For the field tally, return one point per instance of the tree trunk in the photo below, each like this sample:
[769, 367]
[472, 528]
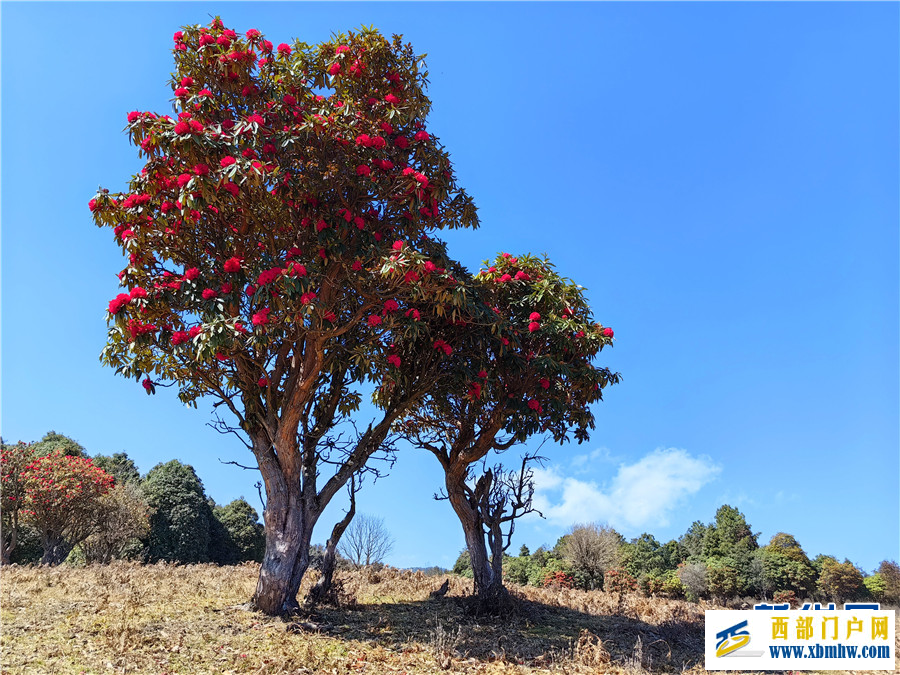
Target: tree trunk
[8, 540]
[320, 591]
[492, 595]
[56, 549]
[276, 588]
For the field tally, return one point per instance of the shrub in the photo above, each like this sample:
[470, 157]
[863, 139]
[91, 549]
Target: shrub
[619, 581]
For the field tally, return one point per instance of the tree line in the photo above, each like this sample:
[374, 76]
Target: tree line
[58, 503]
[720, 561]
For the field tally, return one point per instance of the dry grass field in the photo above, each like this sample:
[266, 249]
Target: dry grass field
[127, 618]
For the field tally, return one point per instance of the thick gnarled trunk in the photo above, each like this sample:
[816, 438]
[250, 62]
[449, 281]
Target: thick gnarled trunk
[487, 567]
[56, 548]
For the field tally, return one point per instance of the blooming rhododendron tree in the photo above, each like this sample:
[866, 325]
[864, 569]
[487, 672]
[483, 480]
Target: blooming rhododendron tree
[13, 460]
[63, 500]
[528, 370]
[279, 238]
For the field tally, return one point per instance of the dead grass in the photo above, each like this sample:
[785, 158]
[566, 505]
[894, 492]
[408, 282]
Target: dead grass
[167, 619]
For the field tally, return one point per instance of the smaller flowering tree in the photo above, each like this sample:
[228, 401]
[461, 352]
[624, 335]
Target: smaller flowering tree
[519, 362]
[13, 460]
[63, 501]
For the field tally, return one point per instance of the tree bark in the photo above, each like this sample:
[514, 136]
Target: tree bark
[487, 569]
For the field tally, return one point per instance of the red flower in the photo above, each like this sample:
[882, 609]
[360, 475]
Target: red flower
[374, 320]
[482, 374]
[534, 317]
[233, 265]
[206, 39]
[252, 34]
[191, 273]
[201, 169]
[391, 306]
[268, 276]
[92, 205]
[133, 116]
[284, 49]
[181, 92]
[232, 188]
[421, 136]
[394, 360]
[184, 179]
[430, 267]
[401, 142]
[138, 292]
[533, 326]
[378, 143]
[227, 161]
[117, 303]
[148, 385]
[263, 382]
[209, 294]
[363, 170]
[261, 317]
[414, 313]
[534, 404]
[334, 69]
[356, 266]
[187, 81]
[398, 245]
[607, 332]
[330, 316]
[545, 383]
[226, 288]
[504, 278]
[178, 35]
[521, 276]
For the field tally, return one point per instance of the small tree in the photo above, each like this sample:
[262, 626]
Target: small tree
[123, 519]
[592, 550]
[63, 501]
[279, 240]
[366, 541]
[520, 362]
[890, 573]
[13, 491]
[840, 581]
[693, 577]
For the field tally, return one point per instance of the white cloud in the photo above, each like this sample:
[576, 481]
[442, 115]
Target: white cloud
[641, 495]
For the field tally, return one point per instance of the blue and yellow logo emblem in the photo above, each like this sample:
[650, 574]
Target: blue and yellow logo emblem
[732, 639]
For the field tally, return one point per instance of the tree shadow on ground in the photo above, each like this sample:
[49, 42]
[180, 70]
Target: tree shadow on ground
[536, 634]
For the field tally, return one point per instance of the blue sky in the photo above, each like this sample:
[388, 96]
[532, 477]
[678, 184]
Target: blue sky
[722, 177]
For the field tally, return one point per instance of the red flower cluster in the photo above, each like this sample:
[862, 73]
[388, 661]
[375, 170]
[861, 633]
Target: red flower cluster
[394, 360]
[440, 344]
[261, 317]
[232, 265]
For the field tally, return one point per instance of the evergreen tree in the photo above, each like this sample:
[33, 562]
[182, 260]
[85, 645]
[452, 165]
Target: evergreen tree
[180, 524]
[236, 534]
